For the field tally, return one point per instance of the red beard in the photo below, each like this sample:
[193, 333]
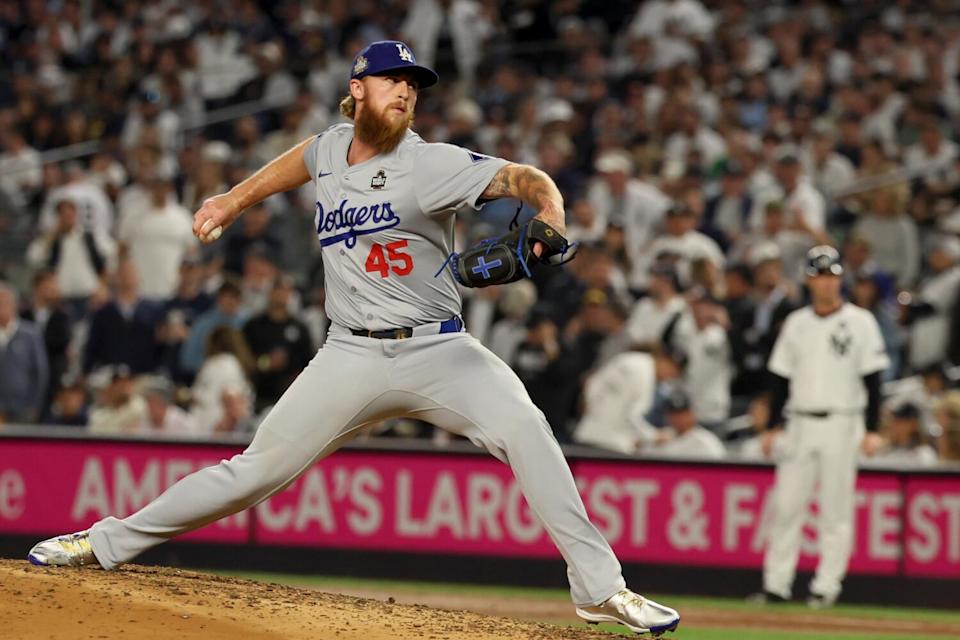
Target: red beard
[381, 133]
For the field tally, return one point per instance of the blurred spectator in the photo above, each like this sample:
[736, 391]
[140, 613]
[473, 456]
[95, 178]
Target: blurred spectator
[620, 199]
[585, 225]
[78, 257]
[515, 304]
[932, 156]
[904, 442]
[892, 236]
[255, 230]
[774, 297]
[94, 209]
[280, 344]
[702, 336]
[162, 417]
[928, 312]
[681, 239]
[148, 113]
[866, 294]
[659, 311]
[156, 238]
[24, 373]
[260, 271]
[209, 177]
[803, 205]
[948, 418]
[727, 214]
[222, 397]
[123, 331]
[683, 437]
[46, 312]
[69, 407]
[537, 362]
[791, 244]
[618, 396]
[21, 170]
[448, 35]
[226, 312]
[180, 312]
[830, 172]
[118, 408]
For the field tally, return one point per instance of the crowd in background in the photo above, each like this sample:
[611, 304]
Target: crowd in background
[701, 147]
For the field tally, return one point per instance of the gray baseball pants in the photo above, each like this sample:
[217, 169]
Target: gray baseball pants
[449, 380]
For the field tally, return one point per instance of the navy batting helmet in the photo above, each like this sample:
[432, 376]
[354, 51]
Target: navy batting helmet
[823, 260]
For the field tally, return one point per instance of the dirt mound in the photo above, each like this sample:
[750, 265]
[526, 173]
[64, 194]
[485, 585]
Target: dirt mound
[162, 603]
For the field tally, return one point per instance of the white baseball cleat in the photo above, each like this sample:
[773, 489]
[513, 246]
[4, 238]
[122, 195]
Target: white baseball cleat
[71, 550]
[634, 612]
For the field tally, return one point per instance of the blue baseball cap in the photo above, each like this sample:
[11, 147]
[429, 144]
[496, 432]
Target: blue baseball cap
[384, 56]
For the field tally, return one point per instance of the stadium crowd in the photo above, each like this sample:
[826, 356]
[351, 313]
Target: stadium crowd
[701, 147]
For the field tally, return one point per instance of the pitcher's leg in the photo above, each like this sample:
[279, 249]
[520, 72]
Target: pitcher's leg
[310, 421]
[795, 477]
[486, 402]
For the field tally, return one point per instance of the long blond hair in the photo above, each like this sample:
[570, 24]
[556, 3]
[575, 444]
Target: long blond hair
[348, 106]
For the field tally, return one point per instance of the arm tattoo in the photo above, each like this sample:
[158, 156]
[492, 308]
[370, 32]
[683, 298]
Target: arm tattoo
[534, 187]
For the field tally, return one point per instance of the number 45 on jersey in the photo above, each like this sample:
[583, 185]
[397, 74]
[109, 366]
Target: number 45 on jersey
[386, 258]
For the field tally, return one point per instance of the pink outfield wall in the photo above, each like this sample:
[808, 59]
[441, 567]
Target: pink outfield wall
[692, 514]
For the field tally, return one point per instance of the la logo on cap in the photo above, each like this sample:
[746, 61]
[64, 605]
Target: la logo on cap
[405, 54]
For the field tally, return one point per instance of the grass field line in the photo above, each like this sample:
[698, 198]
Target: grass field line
[844, 615]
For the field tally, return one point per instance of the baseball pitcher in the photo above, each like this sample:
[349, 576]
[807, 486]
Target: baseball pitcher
[385, 204]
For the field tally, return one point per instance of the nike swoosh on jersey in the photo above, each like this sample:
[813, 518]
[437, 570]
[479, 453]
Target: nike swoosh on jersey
[324, 175]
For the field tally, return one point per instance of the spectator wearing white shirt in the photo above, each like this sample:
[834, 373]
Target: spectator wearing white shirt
[683, 437]
[662, 307]
[695, 137]
[622, 200]
[161, 417]
[702, 335]
[829, 171]
[681, 239]
[79, 258]
[150, 113]
[156, 239]
[223, 65]
[690, 17]
[93, 206]
[804, 206]
[932, 157]
[618, 396]
[930, 310]
[222, 395]
[516, 302]
[21, 169]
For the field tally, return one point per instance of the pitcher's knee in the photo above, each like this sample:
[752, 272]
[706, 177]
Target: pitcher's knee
[249, 480]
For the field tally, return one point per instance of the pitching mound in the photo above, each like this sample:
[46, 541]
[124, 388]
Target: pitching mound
[161, 604]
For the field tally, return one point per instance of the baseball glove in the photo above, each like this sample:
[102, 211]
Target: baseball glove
[508, 257]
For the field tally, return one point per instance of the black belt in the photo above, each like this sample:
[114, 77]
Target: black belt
[453, 325]
[820, 415]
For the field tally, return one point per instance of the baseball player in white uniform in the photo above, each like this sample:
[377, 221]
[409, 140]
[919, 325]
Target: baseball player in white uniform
[827, 361]
[385, 204]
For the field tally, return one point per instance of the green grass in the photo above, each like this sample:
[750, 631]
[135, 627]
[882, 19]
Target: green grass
[679, 602]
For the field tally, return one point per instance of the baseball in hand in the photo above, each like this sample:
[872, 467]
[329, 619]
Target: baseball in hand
[211, 234]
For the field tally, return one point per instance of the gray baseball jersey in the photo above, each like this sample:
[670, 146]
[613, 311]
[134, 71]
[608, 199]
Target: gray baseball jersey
[386, 227]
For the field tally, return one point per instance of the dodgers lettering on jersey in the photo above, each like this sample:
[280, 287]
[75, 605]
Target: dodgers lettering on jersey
[346, 223]
[826, 358]
[386, 225]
